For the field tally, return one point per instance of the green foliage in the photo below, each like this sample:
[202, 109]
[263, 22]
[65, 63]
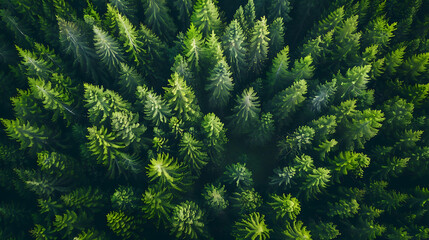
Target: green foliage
[220, 85]
[107, 49]
[297, 141]
[276, 30]
[285, 206]
[28, 135]
[325, 231]
[234, 45]
[280, 8]
[349, 161]
[214, 134]
[187, 221]
[102, 103]
[354, 83]
[315, 182]
[185, 8]
[330, 22]
[157, 204]
[343, 208]
[124, 199]
[379, 32]
[347, 38]
[191, 150]
[287, 101]
[181, 98]
[127, 127]
[166, 171]
[193, 47]
[264, 131]
[415, 65]
[393, 60]
[252, 226]
[156, 109]
[258, 48]
[324, 127]
[302, 69]
[84, 198]
[247, 200]
[55, 163]
[323, 95]
[283, 176]
[303, 164]
[66, 222]
[246, 111]
[121, 224]
[398, 112]
[278, 74]
[158, 19]
[296, 230]
[239, 175]
[215, 197]
[206, 17]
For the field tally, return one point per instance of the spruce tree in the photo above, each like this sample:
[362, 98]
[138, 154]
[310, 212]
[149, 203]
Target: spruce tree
[220, 85]
[206, 17]
[235, 49]
[280, 8]
[277, 36]
[158, 19]
[258, 48]
[246, 111]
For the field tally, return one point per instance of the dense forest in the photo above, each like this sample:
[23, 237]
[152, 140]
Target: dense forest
[214, 119]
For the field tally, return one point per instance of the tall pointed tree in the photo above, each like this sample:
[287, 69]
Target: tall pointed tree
[235, 49]
[258, 49]
[276, 36]
[246, 111]
[220, 85]
[158, 19]
[280, 8]
[206, 17]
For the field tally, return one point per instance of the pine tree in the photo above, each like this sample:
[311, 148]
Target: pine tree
[54, 99]
[158, 19]
[283, 176]
[247, 201]
[415, 65]
[258, 48]
[84, 198]
[323, 95]
[214, 134]
[193, 47]
[181, 67]
[102, 103]
[278, 75]
[215, 197]
[324, 127]
[280, 8]
[124, 198]
[264, 131]
[125, 7]
[252, 226]
[249, 15]
[296, 230]
[213, 50]
[127, 127]
[156, 109]
[187, 221]
[354, 83]
[166, 171]
[325, 230]
[276, 30]
[206, 17]
[55, 163]
[334, 19]
[239, 175]
[379, 32]
[107, 49]
[191, 151]
[398, 113]
[315, 182]
[235, 49]
[287, 101]
[220, 85]
[157, 204]
[129, 79]
[28, 135]
[302, 69]
[35, 66]
[297, 141]
[246, 111]
[393, 60]
[185, 8]
[122, 225]
[347, 39]
[349, 161]
[303, 164]
[285, 206]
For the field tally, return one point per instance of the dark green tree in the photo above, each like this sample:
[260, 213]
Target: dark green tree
[280, 8]
[191, 150]
[277, 36]
[122, 225]
[258, 48]
[187, 221]
[296, 230]
[278, 75]
[158, 19]
[220, 84]
[246, 111]
[315, 182]
[239, 175]
[157, 204]
[107, 49]
[215, 197]
[206, 17]
[287, 101]
[234, 44]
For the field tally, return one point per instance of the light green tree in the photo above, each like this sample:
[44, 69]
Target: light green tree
[252, 226]
[258, 48]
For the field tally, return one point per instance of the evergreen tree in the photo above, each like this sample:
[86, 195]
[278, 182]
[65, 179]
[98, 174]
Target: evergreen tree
[393, 60]
[247, 201]
[28, 135]
[206, 17]
[347, 39]
[276, 30]
[122, 225]
[334, 19]
[246, 111]
[129, 79]
[215, 197]
[235, 49]
[214, 134]
[296, 230]
[280, 8]
[187, 221]
[107, 49]
[286, 102]
[181, 98]
[193, 47]
[323, 95]
[127, 127]
[252, 226]
[249, 15]
[354, 83]
[315, 182]
[220, 84]
[258, 48]
[379, 32]
[158, 19]
[283, 176]
[264, 131]
[157, 204]
[185, 8]
[278, 75]
[155, 108]
[297, 141]
[415, 65]
[181, 67]
[285, 206]
[302, 69]
[239, 175]
[166, 171]
[191, 151]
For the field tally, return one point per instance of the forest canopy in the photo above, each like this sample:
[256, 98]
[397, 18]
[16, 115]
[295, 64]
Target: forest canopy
[214, 119]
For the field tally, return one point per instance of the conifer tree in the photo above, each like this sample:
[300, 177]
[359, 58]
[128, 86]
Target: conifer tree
[213, 49]
[333, 20]
[158, 19]
[157, 204]
[265, 130]
[193, 47]
[297, 141]
[156, 109]
[215, 197]
[28, 135]
[258, 48]
[187, 221]
[249, 15]
[239, 175]
[127, 126]
[280, 8]
[286, 102]
[129, 79]
[181, 67]
[315, 182]
[379, 32]
[214, 134]
[181, 98]
[102, 103]
[283, 176]
[393, 60]
[122, 225]
[191, 151]
[276, 30]
[415, 65]
[247, 201]
[303, 164]
[302, 69]
[252, 226]
[278, 75]
[220, 85]
[35, 66]
[107, 49]
[185, 8]
[347, 39]
[354, 83]
[323, 95]
[285, 206]
[125, 7]
[206, 17]
[166, 171]
[246, 111]
[54, 98]
[235, 48]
